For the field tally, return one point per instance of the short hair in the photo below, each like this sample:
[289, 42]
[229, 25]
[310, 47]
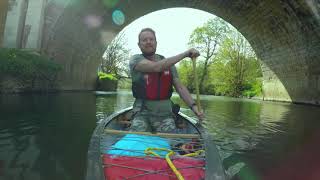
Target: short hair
[147, 29]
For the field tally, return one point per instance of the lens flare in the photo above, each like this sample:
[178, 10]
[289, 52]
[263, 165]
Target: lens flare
[118, 17]
[93, 21]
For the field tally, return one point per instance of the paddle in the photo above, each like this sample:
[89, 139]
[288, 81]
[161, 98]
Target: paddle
[196, 83]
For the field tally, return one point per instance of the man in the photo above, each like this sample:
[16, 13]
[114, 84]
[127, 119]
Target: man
[152, 79]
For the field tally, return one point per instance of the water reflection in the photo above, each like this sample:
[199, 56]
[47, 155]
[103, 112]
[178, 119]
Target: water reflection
[46, 136]
[110, 102]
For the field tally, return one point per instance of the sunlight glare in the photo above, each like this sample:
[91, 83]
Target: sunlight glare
[93, 21]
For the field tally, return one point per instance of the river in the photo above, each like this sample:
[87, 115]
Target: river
[46, 136]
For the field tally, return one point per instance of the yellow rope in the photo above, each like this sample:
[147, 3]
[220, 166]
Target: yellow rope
[149, 151]
[173, 168]
[197, 153]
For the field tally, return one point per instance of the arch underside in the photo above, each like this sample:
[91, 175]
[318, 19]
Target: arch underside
[285, 35]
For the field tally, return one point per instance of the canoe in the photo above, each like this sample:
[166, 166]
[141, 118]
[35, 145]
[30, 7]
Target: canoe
[117, 153]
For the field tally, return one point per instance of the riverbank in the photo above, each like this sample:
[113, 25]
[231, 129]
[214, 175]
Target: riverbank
[27, 71]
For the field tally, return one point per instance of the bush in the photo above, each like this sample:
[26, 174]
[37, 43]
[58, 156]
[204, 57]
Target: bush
[253, 89]
[27, 65]
[107, 82]
[103, 75]
[22, 71]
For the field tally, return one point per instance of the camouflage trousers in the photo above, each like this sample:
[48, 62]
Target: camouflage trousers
[153, 123]
[154, 117]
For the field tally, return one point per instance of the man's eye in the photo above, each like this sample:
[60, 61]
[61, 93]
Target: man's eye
[148, 40]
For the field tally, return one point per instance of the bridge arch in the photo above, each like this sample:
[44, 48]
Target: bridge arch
[285, 35]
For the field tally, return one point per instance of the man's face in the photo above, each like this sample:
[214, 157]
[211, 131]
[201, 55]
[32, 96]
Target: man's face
[147, 43]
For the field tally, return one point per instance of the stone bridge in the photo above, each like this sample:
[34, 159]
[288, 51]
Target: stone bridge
[285, 35]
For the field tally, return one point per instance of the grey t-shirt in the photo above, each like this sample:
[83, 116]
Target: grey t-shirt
[135, 59]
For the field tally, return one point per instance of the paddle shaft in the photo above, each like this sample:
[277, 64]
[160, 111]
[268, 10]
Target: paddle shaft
[166, 135]
[196, 83]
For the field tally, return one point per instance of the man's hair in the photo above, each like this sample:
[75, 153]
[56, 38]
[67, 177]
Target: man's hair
[147, 29]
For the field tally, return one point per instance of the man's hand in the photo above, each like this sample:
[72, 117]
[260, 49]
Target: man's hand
[198, 113]
[193, 53]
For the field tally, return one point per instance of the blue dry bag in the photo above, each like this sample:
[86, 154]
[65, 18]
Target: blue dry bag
[134, 145]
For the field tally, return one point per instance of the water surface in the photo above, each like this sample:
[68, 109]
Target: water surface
[46, 136]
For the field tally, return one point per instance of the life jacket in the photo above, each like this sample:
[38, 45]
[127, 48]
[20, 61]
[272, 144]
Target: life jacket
[153, 86]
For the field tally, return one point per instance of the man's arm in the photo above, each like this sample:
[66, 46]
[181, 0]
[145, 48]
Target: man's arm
[183, 92]
[159, 66]
[186, 97]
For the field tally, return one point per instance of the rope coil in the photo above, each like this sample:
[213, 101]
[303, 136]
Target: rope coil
[150, 151]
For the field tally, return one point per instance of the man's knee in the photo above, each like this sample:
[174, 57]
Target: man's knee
[139, 124]
[167, 125]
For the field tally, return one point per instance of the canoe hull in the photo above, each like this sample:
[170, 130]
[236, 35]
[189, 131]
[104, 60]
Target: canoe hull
[96, 158]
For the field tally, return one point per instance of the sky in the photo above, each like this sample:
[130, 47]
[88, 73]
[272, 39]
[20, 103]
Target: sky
[173, 28]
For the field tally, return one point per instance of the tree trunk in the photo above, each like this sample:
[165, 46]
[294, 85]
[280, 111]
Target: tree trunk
[204, 74]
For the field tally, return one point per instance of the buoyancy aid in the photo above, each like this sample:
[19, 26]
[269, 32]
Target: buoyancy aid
[153, 86]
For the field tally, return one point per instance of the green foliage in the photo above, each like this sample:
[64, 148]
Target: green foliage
[27, 65]
[186, 74]
[207, 39]
[230, 66]
[116, 57]
[209, 35]
[103, 75]
[241, 66]
[253, 89]
[114, 65]
[237, 75]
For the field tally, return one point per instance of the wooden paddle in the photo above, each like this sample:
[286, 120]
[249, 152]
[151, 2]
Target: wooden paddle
[196, 82]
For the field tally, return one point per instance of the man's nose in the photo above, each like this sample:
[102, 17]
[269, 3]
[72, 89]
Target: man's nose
[149, 41]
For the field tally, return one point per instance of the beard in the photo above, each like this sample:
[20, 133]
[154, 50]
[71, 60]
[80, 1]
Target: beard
[149, 53]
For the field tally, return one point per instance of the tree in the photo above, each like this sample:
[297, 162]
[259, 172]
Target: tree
[207, 39]
[186, 75]
[241, 66]
[115, 58]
